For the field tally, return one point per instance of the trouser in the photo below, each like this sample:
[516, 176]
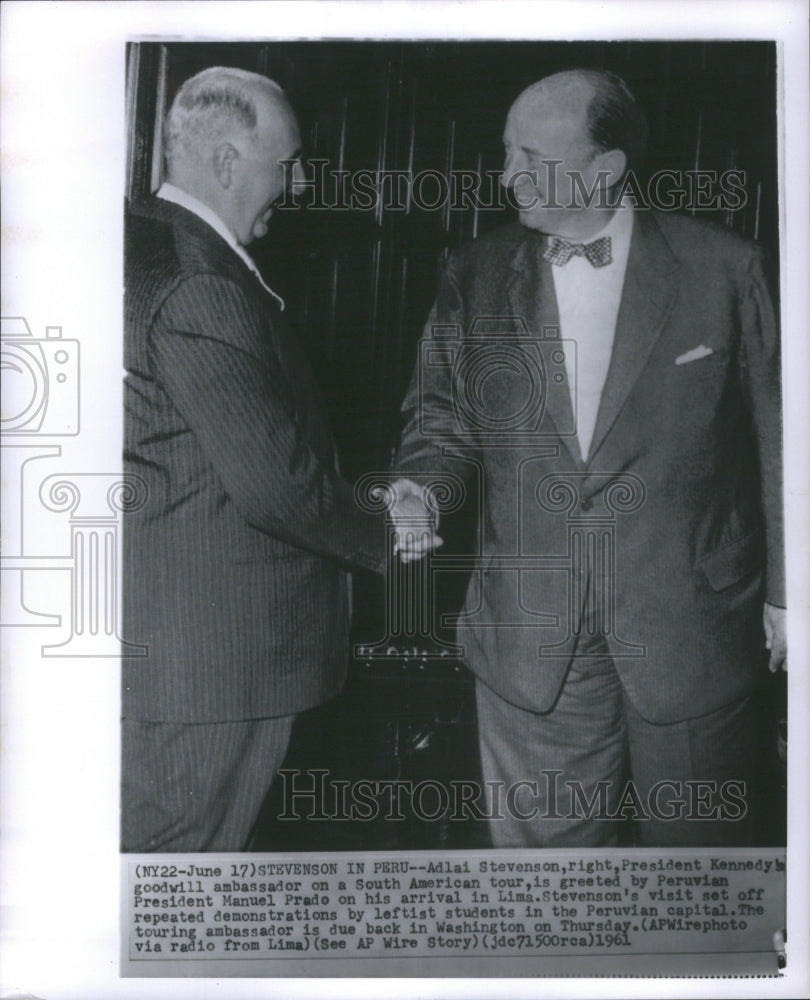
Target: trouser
[196, 787]
[592, 764]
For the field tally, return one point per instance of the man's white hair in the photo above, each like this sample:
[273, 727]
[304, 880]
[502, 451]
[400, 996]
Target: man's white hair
[211, 105]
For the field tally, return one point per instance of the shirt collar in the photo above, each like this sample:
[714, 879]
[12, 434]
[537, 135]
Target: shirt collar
[177, 196]
[619, 226]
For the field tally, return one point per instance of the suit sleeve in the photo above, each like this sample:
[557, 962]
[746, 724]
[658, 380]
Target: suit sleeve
[210, 353]
[761, 383]
[431, 425]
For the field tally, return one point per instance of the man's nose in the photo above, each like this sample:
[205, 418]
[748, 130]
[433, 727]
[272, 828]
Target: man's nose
[511, 164]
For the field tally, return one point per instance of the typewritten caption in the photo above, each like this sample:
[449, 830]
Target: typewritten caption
[236, 908]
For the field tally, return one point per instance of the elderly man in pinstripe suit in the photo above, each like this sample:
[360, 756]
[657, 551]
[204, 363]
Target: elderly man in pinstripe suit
[236, 568]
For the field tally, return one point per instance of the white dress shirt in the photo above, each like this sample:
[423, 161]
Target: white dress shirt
[588, 300]
[176, 195]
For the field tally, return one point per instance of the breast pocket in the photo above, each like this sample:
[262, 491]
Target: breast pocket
[695, 362]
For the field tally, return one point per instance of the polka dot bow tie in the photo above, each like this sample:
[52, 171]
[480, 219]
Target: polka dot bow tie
[560, 251]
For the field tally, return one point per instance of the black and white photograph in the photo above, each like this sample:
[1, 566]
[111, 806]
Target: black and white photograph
[433, 571]
[612, 480]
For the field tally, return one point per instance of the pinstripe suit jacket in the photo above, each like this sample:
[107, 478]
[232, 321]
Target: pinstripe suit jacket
[235, 570]
[689, 421]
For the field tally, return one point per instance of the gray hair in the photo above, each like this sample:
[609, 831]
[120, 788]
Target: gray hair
[211, 105]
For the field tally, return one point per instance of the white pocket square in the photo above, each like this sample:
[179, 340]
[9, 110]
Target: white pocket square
[694, 355]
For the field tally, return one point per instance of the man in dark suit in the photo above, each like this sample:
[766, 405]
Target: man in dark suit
[236, 567]
[608, 381]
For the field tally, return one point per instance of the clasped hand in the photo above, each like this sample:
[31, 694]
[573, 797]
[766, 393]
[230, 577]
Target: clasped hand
[414, 522]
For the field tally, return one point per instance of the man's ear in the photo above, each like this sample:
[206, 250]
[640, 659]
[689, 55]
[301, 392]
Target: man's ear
[225, 160]
[614, 163]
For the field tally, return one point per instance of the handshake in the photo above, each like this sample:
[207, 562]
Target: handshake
[414, 521]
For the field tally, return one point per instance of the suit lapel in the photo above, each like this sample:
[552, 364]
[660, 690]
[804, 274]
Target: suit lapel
[650, 288]
[530, 294]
